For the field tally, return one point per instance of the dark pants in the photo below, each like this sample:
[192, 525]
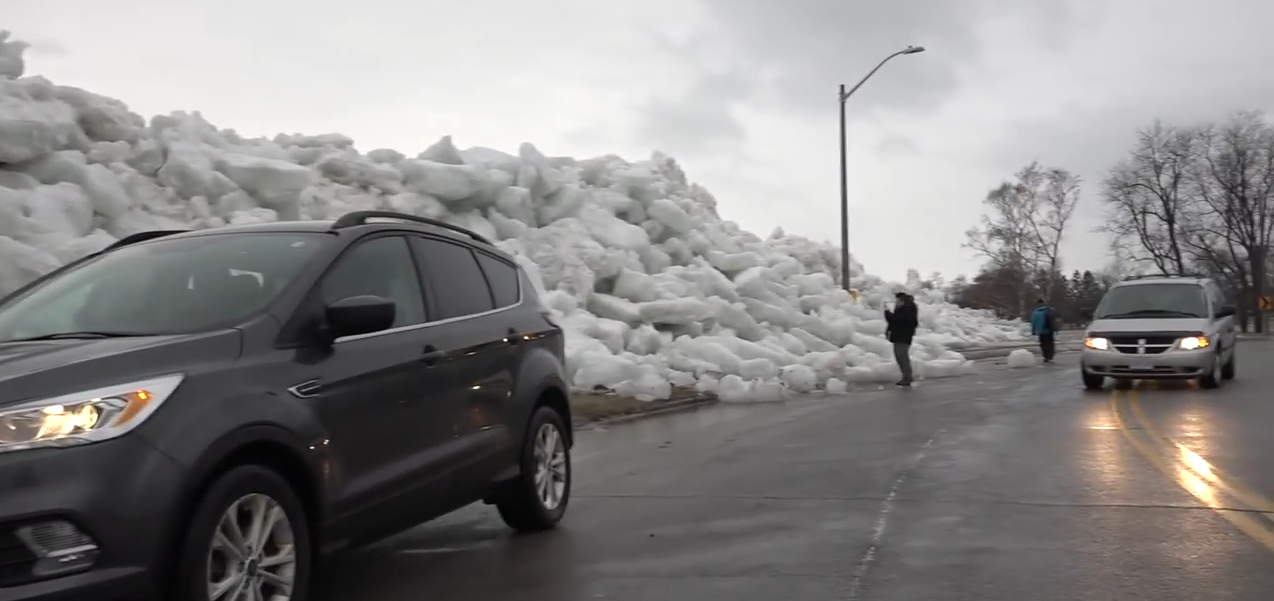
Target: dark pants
[1048, 346]
[902, 354]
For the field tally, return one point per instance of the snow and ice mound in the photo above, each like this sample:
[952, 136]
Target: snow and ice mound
[654, 289]
[1021, 358]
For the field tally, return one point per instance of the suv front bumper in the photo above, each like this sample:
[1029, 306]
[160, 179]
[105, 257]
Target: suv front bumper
[106, 507]
[1170, 364]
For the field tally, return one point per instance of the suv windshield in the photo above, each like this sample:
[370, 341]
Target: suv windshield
[166, 286]
[1153, 300]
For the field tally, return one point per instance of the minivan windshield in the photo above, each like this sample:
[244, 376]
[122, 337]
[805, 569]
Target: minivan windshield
[1153, 301]
[164, 286]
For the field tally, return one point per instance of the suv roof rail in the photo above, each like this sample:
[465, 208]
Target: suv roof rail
[141, 237]
[1151, 276]
[361, 217]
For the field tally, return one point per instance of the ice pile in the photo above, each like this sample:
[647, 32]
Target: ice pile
[1020, 358]
[654, 289]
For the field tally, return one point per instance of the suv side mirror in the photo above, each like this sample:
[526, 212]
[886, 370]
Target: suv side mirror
[1225, 311]
[356, 315]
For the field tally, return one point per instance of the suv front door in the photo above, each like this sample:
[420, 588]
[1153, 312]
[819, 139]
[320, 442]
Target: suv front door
[370, 391]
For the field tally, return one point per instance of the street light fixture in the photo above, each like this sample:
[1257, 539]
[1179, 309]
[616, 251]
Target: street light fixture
[844, 169]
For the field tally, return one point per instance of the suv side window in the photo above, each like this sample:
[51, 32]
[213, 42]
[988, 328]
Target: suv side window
[458, 286]
[380, 267]
[503, 279]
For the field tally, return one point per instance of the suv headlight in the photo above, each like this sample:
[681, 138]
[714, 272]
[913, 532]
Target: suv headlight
[83, 417]
[1098, 343]
[1190, 343]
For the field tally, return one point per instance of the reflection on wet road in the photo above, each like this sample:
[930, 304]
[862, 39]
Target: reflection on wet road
[1010, 485]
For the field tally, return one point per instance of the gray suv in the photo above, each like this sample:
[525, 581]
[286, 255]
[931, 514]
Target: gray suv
[1161, 327]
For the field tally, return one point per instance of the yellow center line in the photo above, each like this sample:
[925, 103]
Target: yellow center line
[1183, 476]
[1200, 466]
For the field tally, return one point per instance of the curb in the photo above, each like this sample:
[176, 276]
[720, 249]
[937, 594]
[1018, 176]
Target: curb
[681, 406]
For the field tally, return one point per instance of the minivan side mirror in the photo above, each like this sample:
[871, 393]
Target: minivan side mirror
[356, 315]
[1225, 311]
[1086, 313]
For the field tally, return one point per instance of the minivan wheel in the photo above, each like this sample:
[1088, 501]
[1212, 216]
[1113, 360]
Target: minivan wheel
[1214, 377]
[1228, 370]
[1092, 381]
[537, 498]
[249, 540]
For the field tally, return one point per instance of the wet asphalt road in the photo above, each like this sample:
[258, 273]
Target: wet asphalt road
[1009, 485]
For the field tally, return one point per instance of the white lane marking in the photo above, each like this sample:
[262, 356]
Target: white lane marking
[882, 522]
[432, 550]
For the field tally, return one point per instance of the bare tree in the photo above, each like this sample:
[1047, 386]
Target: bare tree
[1235, 180]
[1198, 198]
[1025, 223]
[1148, 199]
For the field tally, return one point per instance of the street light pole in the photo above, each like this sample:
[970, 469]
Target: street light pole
[844, 163]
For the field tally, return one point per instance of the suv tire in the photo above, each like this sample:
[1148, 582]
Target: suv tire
[1092, 381]
[537, 498]
[1212, 380]
[1228, 370]
[238, 496]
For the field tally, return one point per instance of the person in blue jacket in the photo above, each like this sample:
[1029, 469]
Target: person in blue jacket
[1044, 325]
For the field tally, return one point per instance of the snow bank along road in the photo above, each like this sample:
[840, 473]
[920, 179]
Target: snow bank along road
[654, 289]
[1003, 486]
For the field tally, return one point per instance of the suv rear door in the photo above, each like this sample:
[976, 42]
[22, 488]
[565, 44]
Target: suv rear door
[475, 345]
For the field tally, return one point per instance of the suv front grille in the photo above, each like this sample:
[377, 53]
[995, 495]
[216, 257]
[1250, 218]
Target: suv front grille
[16, 561]
[42, 549]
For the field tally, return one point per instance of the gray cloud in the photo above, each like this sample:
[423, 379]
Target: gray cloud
[792, 55]
[699, 118]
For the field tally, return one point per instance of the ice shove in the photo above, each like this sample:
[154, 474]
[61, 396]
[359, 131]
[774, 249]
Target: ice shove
[654, 289]
[1020, 358]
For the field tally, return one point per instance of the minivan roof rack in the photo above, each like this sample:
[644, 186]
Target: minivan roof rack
[1150, 276]
[360, 218]
[141, 237]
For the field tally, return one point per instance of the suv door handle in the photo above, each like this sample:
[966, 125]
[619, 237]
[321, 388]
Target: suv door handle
[430, 356]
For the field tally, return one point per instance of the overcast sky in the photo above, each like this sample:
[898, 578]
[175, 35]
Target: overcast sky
[741, 92]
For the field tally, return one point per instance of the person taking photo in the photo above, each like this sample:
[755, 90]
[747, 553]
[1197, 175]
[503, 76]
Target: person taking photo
[900, 329]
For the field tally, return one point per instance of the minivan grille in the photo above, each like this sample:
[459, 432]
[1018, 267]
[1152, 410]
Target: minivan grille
[1133, 341]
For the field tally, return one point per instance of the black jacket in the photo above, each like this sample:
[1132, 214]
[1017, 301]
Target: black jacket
[902, 323]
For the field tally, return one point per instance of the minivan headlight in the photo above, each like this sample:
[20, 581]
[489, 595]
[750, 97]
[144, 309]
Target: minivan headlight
[83, 417]
[1097, 343]
[1190, 343]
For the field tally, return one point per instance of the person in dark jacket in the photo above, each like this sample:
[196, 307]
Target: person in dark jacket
[1044, 325]
[900, 329]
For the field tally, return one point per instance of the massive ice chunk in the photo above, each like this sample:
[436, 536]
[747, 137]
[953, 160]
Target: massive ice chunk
[653, 288]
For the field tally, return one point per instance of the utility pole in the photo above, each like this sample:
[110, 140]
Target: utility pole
[844, 163]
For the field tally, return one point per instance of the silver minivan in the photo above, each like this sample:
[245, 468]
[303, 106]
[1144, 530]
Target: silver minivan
[1161, 327]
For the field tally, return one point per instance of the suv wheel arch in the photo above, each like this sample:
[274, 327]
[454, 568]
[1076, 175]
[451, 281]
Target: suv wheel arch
[271, 447]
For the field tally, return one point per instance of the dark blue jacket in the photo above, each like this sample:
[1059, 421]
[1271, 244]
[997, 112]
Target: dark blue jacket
[902, 323]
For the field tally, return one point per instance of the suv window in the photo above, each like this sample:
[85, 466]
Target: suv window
[378, 267]
[502, 277]
[1153, 300]
[165, 286]
[459, 286]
